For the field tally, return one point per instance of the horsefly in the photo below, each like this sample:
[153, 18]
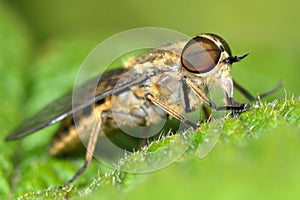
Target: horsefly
[160, 84]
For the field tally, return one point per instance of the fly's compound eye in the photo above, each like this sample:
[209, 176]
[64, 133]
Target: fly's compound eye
[200, 55]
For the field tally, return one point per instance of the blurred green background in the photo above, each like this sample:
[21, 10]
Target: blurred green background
[42, 44]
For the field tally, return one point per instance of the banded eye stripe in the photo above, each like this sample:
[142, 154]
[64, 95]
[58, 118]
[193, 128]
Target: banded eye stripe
[224, 45]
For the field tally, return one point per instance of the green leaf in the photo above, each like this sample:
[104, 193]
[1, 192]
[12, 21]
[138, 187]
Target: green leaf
[246, 156]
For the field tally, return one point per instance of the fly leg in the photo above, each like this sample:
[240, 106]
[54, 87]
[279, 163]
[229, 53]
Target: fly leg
[251, 98]
[187, 107]
[143, 142]
[235, 107]
[90, 150]
[170, 111]
[207, 113]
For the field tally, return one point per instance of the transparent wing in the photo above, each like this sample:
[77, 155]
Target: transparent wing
[62, 107]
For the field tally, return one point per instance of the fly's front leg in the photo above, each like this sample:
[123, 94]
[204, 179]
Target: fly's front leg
[251, 98]
[236, 108]
[90, 149]
[186, 101]
[170, 111]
